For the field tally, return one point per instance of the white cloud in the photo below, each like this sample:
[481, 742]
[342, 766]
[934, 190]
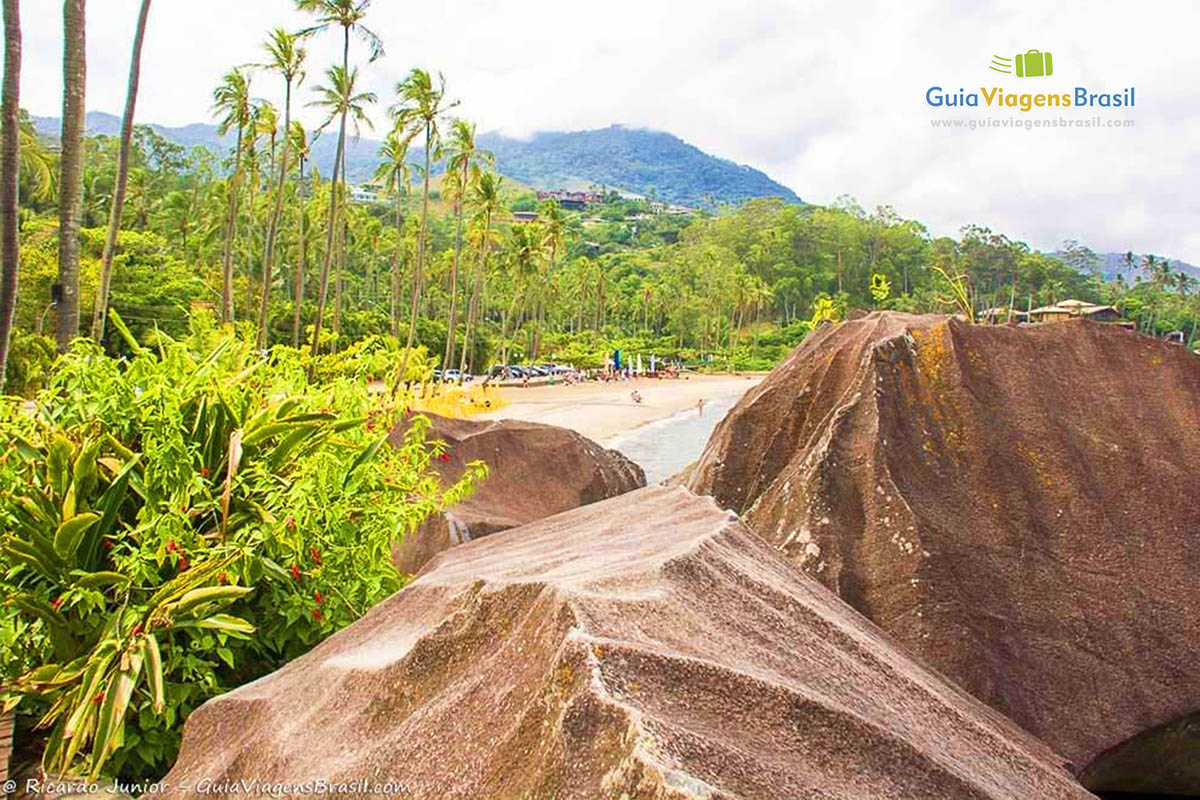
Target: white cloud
[827, 97]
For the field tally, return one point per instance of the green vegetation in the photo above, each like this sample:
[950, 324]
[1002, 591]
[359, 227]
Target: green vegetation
[188, 518]
[200, 489]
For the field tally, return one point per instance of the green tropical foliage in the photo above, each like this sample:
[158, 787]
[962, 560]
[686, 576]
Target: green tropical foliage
[186, 519]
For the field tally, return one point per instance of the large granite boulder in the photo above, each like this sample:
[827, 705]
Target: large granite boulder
[536, 471]
[1017, 506]
[647, 646]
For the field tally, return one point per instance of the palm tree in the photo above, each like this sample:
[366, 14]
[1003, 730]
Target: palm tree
[286, 58]
[118, 201]
[553, 223]
[485, 190]
[419, 109]
[341, 101]
[232, 98]
[71, 169]
[1183, 282]
[394, 174]
[348, 14]
[523, 249]
[37, 163]
[299, 142]
[264, 123]
[462, 151]
[10, 177]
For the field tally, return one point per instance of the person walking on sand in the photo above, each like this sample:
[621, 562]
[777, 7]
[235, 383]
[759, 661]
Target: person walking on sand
[700, 406]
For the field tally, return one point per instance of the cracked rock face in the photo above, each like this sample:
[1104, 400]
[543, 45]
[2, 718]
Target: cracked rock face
[647, 646]
[1016, 506]
[535, 471]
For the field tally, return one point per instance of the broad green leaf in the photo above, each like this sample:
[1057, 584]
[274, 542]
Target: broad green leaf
[155, 670]
[66, 539]
[264, 432]
[109, 505]
[25, 553]
[112, 711]
[58, 461]
[86, 473]
[224, 622]
[96, 580]
[123, 330]
[209, 594]
[366, 455]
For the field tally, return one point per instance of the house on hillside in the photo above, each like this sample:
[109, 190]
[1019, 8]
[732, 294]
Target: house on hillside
[363, 194]
[1001, 315]
[1072, 309]
[525, 216]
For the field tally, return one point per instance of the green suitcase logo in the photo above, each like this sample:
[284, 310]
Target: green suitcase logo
[1030, 64]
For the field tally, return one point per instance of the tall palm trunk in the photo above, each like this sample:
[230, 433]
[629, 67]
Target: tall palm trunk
[399, 222]
[330, 229]
[235, 189]
[339, 283]
[276, 213]
[10, 177]
[448, 356]
[418, 274]
[338, 158]
[476, 293]
[70, 187]
[118, 203]
[301, 259]
[251, 195]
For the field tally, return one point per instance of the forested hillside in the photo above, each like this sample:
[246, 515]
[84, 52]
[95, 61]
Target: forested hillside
[635, 160]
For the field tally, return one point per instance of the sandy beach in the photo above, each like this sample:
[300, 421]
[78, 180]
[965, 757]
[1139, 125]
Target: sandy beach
[600, 411]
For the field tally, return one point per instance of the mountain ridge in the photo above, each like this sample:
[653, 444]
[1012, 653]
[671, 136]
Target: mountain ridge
[640, 160]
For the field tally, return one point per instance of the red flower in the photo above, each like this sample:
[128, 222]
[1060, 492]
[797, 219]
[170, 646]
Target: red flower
[137, 630]
[295, 571]
[316, 555]
[56, 603]
[320, 598]
[317, 615]
[106, 544]
[204, 473]
[445, 457]
[171, 546]
[183, 563]
[222, 578]
[99, 698]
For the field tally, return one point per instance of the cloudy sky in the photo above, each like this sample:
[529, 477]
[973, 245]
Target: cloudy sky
[826, 97]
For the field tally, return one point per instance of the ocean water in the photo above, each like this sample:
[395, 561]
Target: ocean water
[667, 445]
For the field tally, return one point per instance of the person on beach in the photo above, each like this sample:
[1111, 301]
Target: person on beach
[700, 406]
[635, 396]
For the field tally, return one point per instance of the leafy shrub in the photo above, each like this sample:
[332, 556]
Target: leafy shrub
[186, 520]
[30, 357]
